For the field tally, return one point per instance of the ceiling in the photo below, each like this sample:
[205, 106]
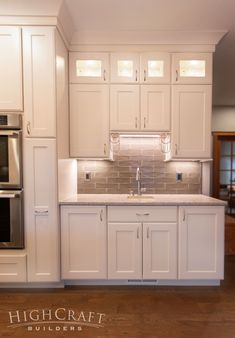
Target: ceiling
[149, 15]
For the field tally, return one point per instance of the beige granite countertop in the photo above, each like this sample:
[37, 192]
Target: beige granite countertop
[159, 199]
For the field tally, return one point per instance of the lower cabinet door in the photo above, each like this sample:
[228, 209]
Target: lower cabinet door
[83, 242]
[12, 267]
[124, 251]
[160, 250]
[41, 210]
[201, 242]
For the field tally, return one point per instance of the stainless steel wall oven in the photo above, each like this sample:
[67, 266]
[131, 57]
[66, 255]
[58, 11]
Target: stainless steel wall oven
[11, 190]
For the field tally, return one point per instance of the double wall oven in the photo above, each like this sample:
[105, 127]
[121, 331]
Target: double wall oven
[11, 189]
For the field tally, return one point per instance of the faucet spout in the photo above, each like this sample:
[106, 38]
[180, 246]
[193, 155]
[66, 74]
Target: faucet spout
[138, 179]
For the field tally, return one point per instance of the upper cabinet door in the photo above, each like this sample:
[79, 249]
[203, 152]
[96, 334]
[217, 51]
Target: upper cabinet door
[124, 68]
[88, 67]
[89, 120]
[39, 81]
[10, 69]
[192, 68]
[155, 68]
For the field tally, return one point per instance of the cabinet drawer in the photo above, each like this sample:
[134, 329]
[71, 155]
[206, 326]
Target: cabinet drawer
[13, 268]
[142, 214]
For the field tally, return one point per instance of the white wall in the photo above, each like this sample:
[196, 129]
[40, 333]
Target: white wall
[223, 118]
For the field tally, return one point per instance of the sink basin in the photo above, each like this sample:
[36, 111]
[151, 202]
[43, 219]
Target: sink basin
[139, 197]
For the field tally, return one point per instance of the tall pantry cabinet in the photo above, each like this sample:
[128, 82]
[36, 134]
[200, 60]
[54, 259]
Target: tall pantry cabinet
[41, 63]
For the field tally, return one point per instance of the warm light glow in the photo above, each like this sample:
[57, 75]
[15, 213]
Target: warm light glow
[155, 68]
[125, 68]
[88, 68]
[192, 68]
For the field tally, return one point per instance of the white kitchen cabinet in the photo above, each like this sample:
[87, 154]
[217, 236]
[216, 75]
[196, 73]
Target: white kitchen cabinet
[88, 67]
[41, 210]
[124, 250]
[191, 121]
[192, 68]
[89, 120]
[160, 250]
[39, 81]
[84, 242]
[10, 69]
[125, 67]
[142, 242]
[12, 266]
[155, 68]
[124, 107]
[155, 107]
[201, 242]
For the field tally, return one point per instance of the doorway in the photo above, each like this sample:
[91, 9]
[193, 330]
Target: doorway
[224, 182]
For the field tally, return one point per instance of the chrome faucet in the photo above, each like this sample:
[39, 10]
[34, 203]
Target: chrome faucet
[138, 179]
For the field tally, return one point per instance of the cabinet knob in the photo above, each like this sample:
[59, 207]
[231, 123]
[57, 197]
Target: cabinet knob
[28, 128]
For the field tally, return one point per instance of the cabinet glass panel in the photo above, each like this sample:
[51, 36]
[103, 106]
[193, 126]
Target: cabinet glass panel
[225, 177]
[125, 68]
[88, 68]
[225, 148]
[192, 68]
[155, 68]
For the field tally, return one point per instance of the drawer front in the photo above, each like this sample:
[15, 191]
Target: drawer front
[13, 268]
[142, 214]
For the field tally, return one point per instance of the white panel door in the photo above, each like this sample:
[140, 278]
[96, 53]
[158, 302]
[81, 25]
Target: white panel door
[192, 68]
[155, 68]
[83, 241]
[41, 210]
[124, 107]
[201, 242]
[39, 81]
[88, 67]
[10, 69]
[124, 67]
[160, 250]
[13, 266]
[191, 121]
[155, 107]
[124, 251]
[89, 120]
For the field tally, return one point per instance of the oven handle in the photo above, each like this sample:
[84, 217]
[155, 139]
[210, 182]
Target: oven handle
[8, 194]
[9, 133]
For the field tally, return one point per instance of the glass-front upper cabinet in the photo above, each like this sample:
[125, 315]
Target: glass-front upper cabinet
[192, 68]
[88, 67]
[155, 68]
[124, 68]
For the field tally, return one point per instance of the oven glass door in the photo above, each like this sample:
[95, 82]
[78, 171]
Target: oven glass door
[11, 220]
[10, 159]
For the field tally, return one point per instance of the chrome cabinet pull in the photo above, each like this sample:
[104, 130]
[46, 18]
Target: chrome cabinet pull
[144, 75]
[184, 216]
[177, 75]
[101, 215]
[144, 214]
[104, 74]
[136, 75]
[41, 212]
[138, 232]
[148, 232]
[176, 149]
[145, 122]
[28, 128]
[105, 149]
[136, 122]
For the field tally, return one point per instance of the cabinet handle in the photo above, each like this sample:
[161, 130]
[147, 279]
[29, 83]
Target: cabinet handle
[144, 214]
[104, 73]
[176, 149]
[144, 75]
[136, 75]
[28, 128]
[184, 215]
[176, 75]
[148, 232]
[41, 212]
[101, 215]
[105, 149]
[136, 122]
[138, 232]
[145, 122]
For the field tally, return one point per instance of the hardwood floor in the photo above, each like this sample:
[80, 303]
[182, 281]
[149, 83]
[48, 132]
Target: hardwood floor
[160, 312]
